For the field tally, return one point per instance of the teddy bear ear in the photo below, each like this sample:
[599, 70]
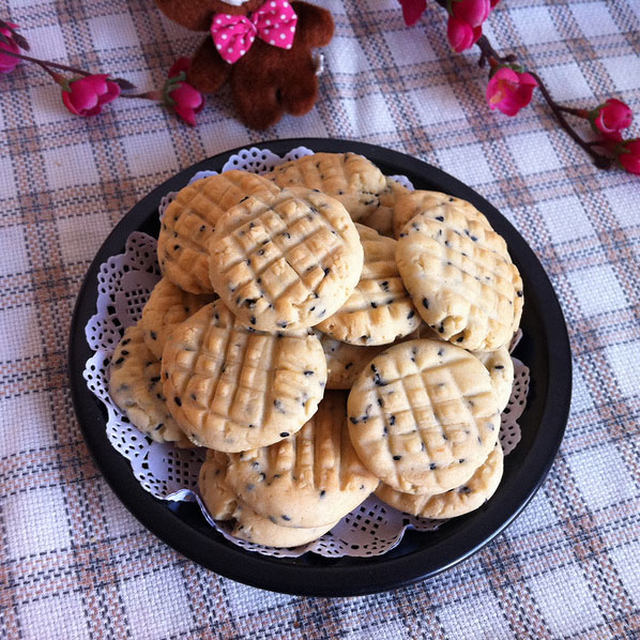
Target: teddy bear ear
[192, 14]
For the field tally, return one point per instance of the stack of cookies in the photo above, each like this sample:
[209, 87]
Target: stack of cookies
[317, 357]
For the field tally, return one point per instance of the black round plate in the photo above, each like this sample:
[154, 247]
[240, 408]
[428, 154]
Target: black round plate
[544, 348]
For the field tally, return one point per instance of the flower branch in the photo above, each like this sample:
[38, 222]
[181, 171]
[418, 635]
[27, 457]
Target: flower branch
[511, 87]
[85, 93]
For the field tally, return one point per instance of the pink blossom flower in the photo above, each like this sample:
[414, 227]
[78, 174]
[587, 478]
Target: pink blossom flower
[184, 99]
[87, 95]
[509, 90]
[628, 155]
[610, 118]
[473, 12]
[412, 10]
[8, 63]
[461, 34]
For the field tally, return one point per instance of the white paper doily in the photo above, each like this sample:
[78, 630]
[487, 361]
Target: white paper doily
[125, 282]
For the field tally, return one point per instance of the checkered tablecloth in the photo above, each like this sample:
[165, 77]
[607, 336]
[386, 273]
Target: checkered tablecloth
[75, 564]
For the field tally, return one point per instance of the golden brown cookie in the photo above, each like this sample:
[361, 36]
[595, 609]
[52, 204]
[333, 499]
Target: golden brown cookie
[231, 388]
[500, 367]
[252, 527]
[412, 203]
[190, 219]
[379, 310]
[167, 307]
[423, 416]
[382, 217]
[310, 479]
[135, 387]
[285, 262]
[347, 177]
[461, 278]
[345, 361]
[455, 502]
[220, 500]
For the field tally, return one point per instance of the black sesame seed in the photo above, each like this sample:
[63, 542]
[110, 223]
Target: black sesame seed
[380, 402]
[392, 420]
[286, 518]
[374, 305]
[284, 434]
[252, 319]
[459, 338]
[440, 218]
[322, 493]
[354, 420]
[178, 401]
[410, 315]
[433, 465]
[425, 303]
[397, 457]
[119, 361]
[499, 366]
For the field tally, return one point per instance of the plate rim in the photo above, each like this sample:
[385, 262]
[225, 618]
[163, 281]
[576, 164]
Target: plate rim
[374, 574]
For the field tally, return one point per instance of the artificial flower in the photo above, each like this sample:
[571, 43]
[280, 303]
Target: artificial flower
[87, 95]
[509, 90]
[628, 155]
[462, 35]
[8, 43]
[610, 118]
[180, 96]
[412, 10]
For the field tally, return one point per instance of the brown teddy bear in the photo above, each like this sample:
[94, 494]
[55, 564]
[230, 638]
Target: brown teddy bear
[263, 48]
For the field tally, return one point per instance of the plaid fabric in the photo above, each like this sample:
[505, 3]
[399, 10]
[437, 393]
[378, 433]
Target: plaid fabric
[75, 564]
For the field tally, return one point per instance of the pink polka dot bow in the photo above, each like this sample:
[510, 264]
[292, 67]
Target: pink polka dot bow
[274, 22]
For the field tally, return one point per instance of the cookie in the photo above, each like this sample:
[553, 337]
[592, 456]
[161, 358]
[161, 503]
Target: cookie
[423, 416]
[461, 277]
[412, 203]
[222, 504]
[310, 479]
[220, 500]
[285, 262]
[168, 306]
[382, 217]
[135, 387]
[500, 367]
[345, 361]
[231, 388]
[189, 221]
[379, 310]
[350, 178]
[252, 527]
[455, 502]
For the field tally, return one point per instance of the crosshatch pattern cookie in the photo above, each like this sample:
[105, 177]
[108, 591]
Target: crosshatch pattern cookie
[461, 278]
[345, 361]
[135, 386]
[222, 504]
[347, 177]
[310, 479]
[500, 367]
[412, 203]
[423, 416]
[455, 502]
[167, 307]
[285, 262]
[379, 310]
[190, 219]
[381, 218]
[231, 388]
